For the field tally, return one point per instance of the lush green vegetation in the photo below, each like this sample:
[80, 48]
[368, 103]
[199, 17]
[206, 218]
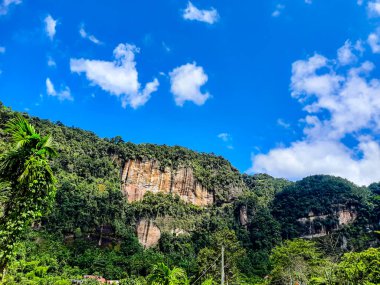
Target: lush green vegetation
[27, 183]
[82, 223]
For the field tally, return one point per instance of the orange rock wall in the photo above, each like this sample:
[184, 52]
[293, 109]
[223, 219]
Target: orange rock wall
[139, 177]
[148, 233]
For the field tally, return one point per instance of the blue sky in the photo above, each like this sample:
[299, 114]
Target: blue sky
[284, 87]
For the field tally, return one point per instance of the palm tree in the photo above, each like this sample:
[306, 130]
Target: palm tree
[27, 180]
[29, 156]
[163, 275]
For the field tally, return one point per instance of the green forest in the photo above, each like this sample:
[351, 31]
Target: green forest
[63, 216]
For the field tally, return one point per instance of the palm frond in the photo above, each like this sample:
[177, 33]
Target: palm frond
[47, 144]
[20, 130]
[11, 164]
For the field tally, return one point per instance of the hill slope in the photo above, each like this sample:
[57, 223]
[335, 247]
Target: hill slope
[121, 208]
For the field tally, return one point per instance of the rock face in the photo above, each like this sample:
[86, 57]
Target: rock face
[346, 217]
[139, 177]
[243, 216]
[148, 233]
[316, 226]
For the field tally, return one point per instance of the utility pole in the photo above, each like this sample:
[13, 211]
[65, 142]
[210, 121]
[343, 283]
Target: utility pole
[222, 269]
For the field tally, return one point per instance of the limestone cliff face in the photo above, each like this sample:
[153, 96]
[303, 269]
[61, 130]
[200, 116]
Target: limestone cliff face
[139, 177]
[316, 227]
[148, 233]
[346, 217]
[243, 216]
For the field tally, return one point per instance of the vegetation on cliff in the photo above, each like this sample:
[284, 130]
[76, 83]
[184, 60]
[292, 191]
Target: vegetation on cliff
[91, 228]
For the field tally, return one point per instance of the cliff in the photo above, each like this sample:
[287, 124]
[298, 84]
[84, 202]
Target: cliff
[322, 225]
[318, 205]
[148, 233]
[139, 177]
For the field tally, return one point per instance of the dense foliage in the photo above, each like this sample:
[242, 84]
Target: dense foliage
[91, 228]
[27, 183]
[320, 198]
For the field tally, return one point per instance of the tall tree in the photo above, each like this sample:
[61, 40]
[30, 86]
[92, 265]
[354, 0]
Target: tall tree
[29, 180]
[296, 262]
[209, 257]
[360, 267]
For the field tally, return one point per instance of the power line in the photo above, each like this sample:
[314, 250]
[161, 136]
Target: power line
[205, 271]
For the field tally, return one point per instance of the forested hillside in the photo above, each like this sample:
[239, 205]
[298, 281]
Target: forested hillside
[274, 231]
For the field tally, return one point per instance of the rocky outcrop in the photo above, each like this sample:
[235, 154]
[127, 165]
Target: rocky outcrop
[139, 177]
[317, 226]
[148, 233]
[243, 216]
[311, 218]
[346, 217]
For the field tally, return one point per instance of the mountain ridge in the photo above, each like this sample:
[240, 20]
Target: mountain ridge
[125, 201]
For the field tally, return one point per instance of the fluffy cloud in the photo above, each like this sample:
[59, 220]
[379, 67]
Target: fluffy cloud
[374, 41]
[62, 95]
[192, 13]
[346, 54]
[50, 26]
[186, 82]
[118, 77]
[6, 4]
[89, 37]
[306, 158]
[339, 103]
[374, 8]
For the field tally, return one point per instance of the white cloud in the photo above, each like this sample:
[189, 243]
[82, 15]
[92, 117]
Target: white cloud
[352, 100]
[346, 54]
[374, 41]
[118, 77]
[62, 95]
[339, 103]
[227, 139]
[89, 37]
[166, 47]
[2, 49]
[51, 62]
[186, 82]
[6, 4]
[374, 8]
[50, 90]
[283, 124]
[304, 158]
[277, 12]
[50, 26]
[192, 13]
[224, 137]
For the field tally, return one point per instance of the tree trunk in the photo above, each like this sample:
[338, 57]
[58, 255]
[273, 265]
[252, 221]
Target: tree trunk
[101, 236]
